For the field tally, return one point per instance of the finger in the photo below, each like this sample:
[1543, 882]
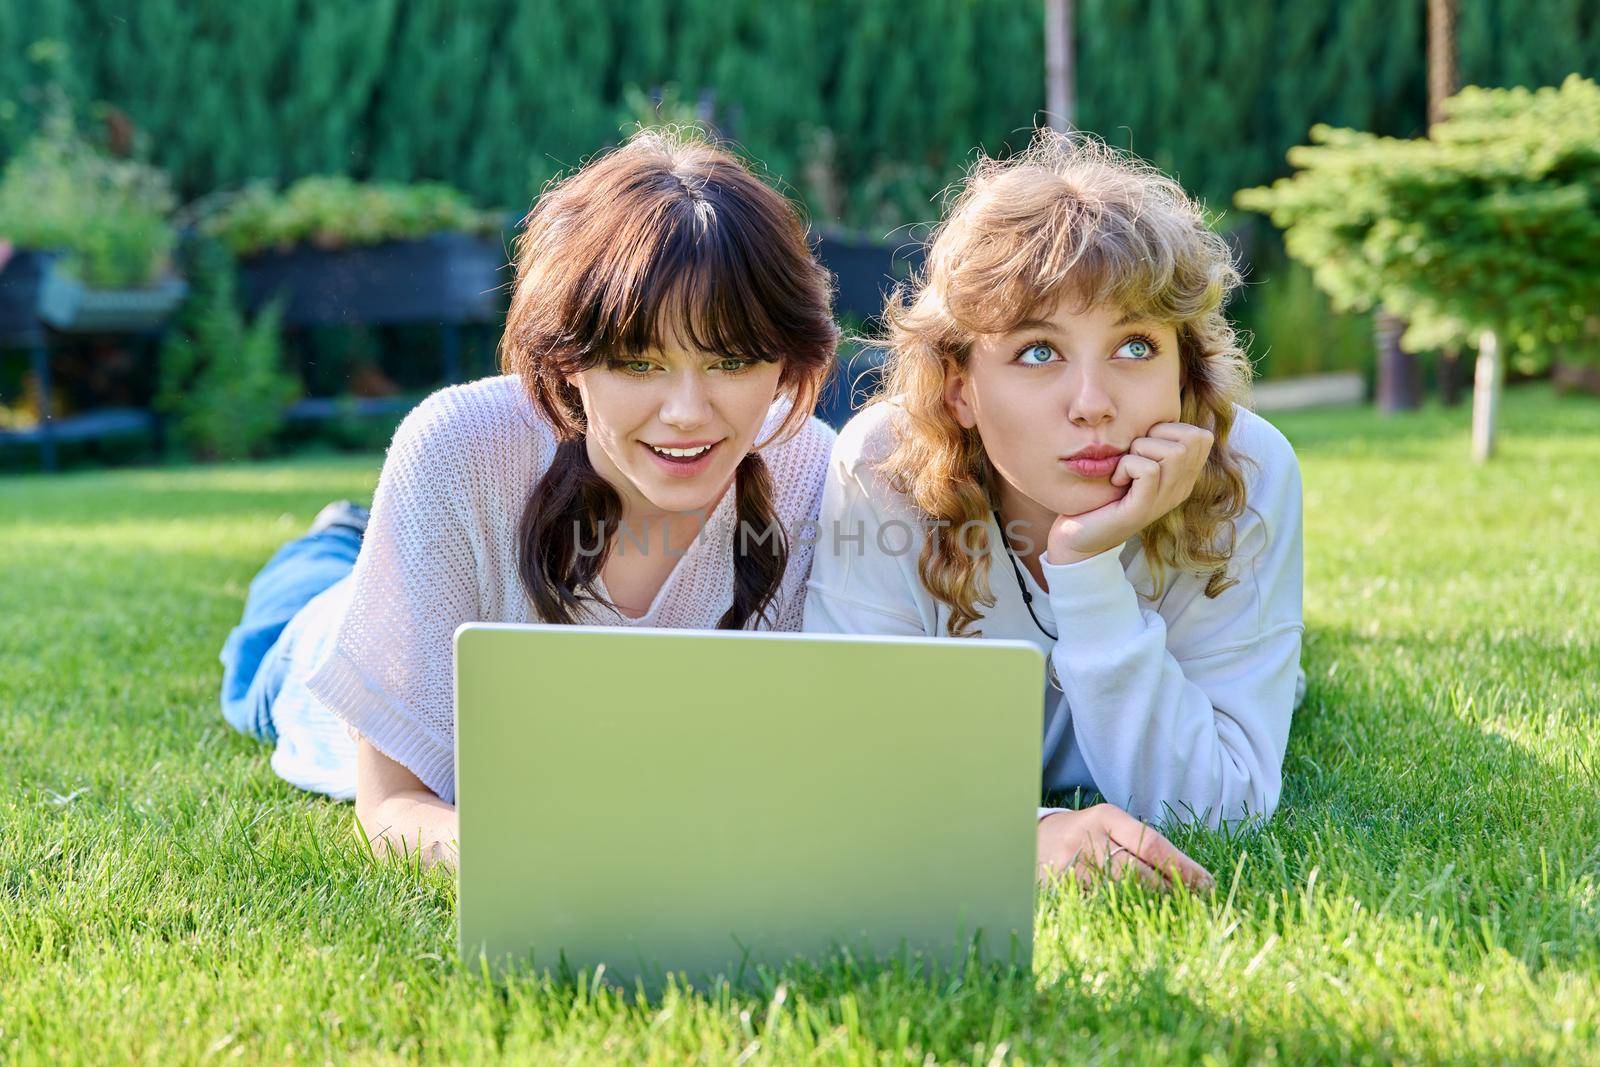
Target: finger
[1157, 448]
[1197, 437]
[1161, 855]
[1112, 863]
[1177, 430]
[1148, 843]
[1132, 468]
[1125, 864]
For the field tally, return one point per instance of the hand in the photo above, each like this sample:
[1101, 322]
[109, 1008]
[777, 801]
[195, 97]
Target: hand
[398, 816]
[1159, 470]
[1105, 840]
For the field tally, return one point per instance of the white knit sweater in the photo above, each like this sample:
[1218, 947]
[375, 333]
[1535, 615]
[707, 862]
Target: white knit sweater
[440, 551]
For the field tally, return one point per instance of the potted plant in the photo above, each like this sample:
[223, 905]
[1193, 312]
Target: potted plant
[85, 247]
[90, 236]
[346, 252]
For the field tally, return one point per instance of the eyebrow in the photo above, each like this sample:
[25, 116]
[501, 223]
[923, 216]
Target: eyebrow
[1127, 319]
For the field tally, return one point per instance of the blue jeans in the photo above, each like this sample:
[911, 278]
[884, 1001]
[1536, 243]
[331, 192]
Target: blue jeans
[253, 663]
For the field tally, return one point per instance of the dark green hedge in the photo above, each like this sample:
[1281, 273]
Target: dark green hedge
[865, 107]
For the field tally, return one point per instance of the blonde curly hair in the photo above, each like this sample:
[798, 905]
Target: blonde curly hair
[1069, 217]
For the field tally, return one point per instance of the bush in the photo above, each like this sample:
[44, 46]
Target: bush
[336, 212]
[222, 379]
[1490, 224]
[109, 216]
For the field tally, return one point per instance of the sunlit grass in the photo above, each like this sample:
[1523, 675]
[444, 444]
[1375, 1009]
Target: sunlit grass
[1430, 889]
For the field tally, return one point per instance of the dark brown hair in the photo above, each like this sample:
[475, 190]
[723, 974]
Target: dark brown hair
[668, 232]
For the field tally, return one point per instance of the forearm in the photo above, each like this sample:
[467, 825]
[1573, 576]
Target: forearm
[412, 823]
[1190, 741]
[1157, 746]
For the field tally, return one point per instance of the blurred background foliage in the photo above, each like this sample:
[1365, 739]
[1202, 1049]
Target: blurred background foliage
[262, 117]
[108, 217]
[865, 108]
[222, 378]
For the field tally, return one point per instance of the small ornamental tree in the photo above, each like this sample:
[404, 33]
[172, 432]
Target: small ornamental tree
[1487, 231]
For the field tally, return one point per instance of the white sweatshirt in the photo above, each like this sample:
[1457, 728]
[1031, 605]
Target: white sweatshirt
[1175, 709]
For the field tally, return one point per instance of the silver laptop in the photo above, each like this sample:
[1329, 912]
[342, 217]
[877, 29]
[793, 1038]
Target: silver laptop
[707, 803]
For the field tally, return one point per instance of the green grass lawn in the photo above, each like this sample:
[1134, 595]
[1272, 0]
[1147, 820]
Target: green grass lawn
[1429, 890]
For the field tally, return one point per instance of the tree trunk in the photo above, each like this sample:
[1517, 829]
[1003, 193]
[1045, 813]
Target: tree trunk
[1060, 101]
[1450, 377]
[1486, 396]
[1399, 373]
[1443, 76]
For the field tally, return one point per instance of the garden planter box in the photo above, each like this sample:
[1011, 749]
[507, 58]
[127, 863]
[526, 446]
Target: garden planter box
[69, 305]
[34, 293]
[866, 269]
[22, 282]
[444, 278]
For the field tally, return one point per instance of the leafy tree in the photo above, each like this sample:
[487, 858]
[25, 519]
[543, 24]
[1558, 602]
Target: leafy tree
[1488, 230]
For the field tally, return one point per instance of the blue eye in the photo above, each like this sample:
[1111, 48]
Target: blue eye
[1138, 348]
[1039, 349]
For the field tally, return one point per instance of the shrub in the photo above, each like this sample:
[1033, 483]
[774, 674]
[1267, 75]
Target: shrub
[108, 216]
[222, 378]
[1490, 224]
[335, 212]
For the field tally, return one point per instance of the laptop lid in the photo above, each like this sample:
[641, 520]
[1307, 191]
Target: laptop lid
[699, 802]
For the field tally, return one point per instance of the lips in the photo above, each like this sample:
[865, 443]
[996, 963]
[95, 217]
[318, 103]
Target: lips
[1096, 461]
[688, 451]
[699, 457]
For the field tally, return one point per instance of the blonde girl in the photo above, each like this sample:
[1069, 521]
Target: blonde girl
[1060, 454]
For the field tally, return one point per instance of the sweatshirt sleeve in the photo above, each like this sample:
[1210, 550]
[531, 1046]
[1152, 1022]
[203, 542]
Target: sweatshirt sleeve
[391, 672]
[1183, 714]
[864, 571]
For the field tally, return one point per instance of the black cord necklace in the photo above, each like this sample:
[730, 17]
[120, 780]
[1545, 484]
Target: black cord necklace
[1028, 602]
[1022, 586]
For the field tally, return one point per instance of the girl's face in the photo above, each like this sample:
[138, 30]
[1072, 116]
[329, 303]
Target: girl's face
[704, 406]
[1051, 388]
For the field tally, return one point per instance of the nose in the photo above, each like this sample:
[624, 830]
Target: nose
[1089, 403]
[687, 403]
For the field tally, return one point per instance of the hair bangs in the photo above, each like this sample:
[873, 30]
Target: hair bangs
[1020, 269]
[665, 243]
[689, 277]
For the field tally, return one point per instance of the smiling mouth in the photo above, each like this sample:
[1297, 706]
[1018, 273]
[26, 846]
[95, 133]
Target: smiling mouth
[681, 453]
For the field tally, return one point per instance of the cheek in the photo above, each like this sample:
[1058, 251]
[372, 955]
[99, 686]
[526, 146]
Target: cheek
[611, 408]
[1164, 397]
[744, 401]
[1009, 419]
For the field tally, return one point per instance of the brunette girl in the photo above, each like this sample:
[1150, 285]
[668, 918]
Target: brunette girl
[665, 344]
